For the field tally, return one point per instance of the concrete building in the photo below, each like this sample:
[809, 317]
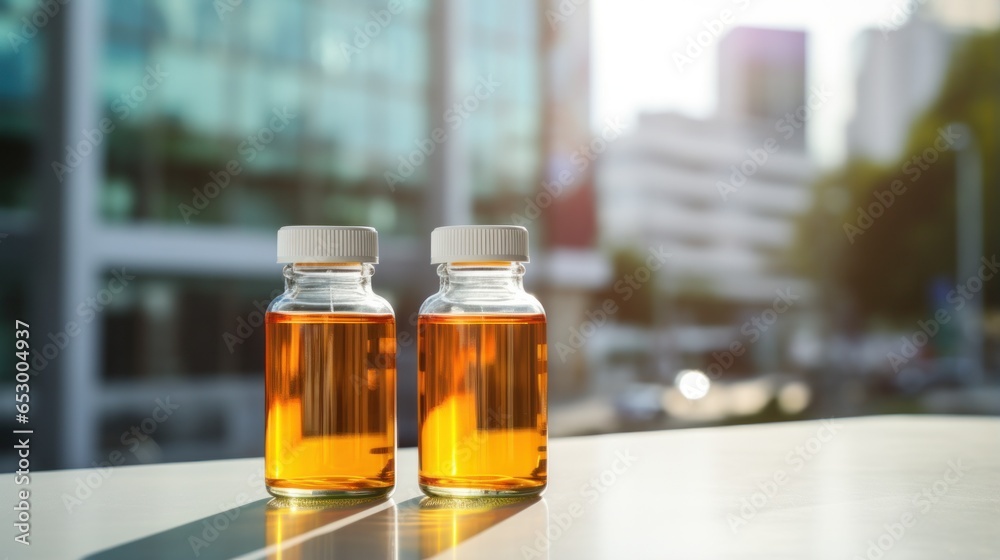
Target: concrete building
[670, 182]
[722, 196]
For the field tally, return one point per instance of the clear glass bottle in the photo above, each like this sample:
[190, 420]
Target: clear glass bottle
[482, 369]
[330, 369]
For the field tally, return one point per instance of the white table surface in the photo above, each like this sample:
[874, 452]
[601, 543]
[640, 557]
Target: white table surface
[846, 490]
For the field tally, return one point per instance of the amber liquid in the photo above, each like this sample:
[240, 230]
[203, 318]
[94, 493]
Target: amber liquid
[482, 393]
[330, 394]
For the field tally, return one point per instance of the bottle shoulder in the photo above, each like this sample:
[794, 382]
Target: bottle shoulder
[446, 302]
[354, 303]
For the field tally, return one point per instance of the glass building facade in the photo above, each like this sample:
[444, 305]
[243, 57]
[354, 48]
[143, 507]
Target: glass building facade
[21, 82]
[220, 122]
[354, 100]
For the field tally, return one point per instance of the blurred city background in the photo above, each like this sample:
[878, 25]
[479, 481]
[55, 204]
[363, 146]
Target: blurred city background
[740, 211]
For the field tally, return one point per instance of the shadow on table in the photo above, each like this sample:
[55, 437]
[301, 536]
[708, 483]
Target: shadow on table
[416, 528]
[236, 531]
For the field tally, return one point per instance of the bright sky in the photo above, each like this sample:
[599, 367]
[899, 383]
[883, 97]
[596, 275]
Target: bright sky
[634, 71]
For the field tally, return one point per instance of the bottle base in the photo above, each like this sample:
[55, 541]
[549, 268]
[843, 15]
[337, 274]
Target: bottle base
[325, 493]
[467, 492]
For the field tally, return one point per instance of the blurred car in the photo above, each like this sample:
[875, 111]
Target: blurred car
[941, 373]
[640, 402]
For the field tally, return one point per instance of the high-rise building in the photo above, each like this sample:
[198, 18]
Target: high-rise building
[901, 72]
[171, 139]
[762, 76]
[903, 65]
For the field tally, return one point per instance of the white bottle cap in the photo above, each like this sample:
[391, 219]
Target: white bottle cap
[323, 244]
[479, 244]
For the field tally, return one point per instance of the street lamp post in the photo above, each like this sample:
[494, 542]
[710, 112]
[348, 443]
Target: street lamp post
[969, 246]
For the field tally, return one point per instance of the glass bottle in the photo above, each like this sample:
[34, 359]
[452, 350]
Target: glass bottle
[482, 369]
[330, 373]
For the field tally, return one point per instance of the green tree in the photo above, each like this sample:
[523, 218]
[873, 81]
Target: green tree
[638, 309]
[885, 269]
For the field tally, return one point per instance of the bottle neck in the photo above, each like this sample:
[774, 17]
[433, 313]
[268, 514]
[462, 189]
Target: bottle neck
[319, 277]
[500, 276]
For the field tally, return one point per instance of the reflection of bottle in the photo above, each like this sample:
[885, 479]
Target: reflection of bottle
[482, 376]
[330, 369]
[291, 522]
[443, 524]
